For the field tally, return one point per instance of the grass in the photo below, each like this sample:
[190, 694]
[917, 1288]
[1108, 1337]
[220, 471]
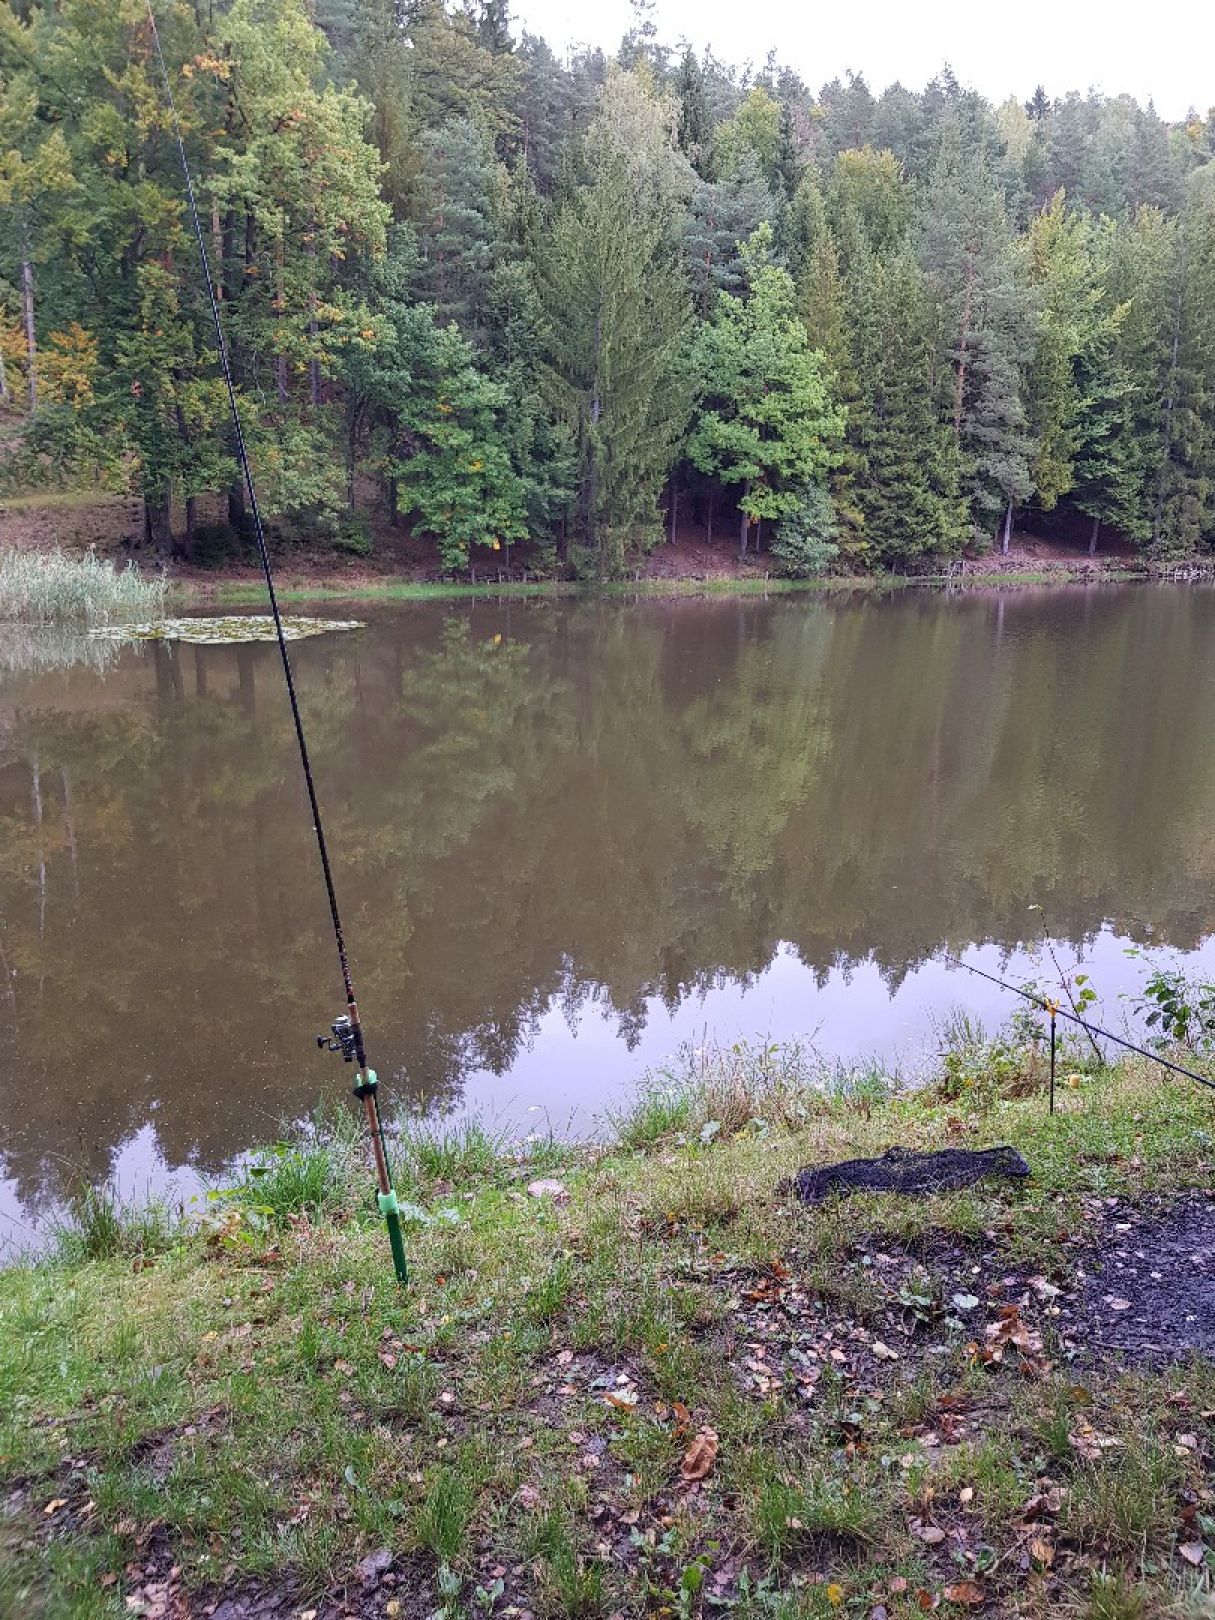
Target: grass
[254, 1406]
[50, 587]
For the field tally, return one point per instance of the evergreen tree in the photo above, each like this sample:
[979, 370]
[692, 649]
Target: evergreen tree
[695, 123]
[616, 313]
[458, 237]
[986, 326]
[723, 215]
[907, 488]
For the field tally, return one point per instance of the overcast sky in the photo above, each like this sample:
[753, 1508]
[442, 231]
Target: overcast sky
[1164, 50]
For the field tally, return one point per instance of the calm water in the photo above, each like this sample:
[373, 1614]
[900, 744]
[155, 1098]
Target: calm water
[569, 837]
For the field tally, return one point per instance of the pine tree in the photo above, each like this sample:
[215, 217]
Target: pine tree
[695, 123]
[908, 492]
[986, 331]
[723, 215]
[458, 236]
[616, 313]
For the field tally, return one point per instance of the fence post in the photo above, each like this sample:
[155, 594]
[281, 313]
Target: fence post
[1053, 1049]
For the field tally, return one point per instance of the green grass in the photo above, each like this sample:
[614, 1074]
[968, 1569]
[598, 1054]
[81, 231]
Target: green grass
[264, 1405]
[50, 587]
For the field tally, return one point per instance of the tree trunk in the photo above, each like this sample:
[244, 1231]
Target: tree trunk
[187, 543]
[31, 341]
[1092, 539]
[158, 522]
[238, 516]
[1170, 402]
[674, 506]
[709, 523]
[3, 382]
[963, 347]
[1007, 535]
[744, 524]
[314, 367]
[280, 311]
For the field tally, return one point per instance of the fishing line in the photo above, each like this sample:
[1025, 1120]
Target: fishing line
[347, 1030]
[1056, 1011]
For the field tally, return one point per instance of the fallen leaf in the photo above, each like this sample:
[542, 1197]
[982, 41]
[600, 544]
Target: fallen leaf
[884, 1352]
[1117, 1304]
[928, 1601]
[700, 1456]
[55, 1503]
[1041, 1551]
[932, 1535]
[968, 1592]
[1192, 1552]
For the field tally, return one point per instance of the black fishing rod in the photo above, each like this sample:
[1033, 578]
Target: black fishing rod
[347, 1037]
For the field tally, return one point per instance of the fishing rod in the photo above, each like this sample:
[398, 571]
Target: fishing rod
[347, 1030]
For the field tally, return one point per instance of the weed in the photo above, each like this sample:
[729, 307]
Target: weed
[789, 1515]
[100, 1226]
[569, 1584]
[454, 1152]
[443, 1517]
[49, 587]
[1113, 1597]
[1125, 1503]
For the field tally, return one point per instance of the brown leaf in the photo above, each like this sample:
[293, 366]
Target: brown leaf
[928, 1601]
[1041, 1551]
[619, 1403]
[968, 1592]
[700, 1456]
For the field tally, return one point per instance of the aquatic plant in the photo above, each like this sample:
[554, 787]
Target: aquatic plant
[225, 630]
[50, 587]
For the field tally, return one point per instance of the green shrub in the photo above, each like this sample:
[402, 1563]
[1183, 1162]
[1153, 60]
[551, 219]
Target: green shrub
[804, 542]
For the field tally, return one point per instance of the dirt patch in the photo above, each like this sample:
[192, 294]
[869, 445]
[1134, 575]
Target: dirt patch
[1148, 1293]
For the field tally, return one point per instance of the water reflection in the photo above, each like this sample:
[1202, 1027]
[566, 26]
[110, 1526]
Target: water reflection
[567, 836]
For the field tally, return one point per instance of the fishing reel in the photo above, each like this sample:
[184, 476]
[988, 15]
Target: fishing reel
[342, 1040]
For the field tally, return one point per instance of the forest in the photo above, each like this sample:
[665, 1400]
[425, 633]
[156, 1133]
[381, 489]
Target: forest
[541, 312]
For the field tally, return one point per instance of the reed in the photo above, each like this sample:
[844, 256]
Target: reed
[51, 587]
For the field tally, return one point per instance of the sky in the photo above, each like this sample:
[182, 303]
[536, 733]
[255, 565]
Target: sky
[1164, 51]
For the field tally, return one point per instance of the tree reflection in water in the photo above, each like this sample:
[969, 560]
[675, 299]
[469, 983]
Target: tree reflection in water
[545, 814]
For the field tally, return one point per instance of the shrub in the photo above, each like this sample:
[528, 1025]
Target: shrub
[804, 541]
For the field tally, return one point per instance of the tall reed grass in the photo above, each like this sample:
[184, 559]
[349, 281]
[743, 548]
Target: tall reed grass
[50, 587]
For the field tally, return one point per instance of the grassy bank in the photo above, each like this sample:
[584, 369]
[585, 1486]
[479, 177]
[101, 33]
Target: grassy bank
[239, 593]
[242, 593]
[632, 1380]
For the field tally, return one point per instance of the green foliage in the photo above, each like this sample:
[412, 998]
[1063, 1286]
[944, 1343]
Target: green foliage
[372, 170]
[1179, 1007]
[765, 420]
[804, 542]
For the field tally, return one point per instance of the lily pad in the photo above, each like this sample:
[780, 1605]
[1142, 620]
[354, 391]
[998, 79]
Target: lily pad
[222, 631]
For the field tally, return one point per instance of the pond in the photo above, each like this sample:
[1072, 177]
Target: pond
[570, 836]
